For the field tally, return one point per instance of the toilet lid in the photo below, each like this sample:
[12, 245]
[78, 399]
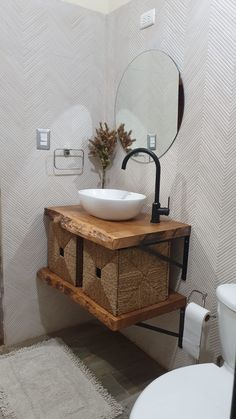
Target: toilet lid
[198, 392]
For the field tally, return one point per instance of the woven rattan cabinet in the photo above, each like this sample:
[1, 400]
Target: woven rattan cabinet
[125, 280]
[119, 280]
[65, 254]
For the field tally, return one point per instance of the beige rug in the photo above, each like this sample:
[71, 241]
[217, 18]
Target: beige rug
[46, 381]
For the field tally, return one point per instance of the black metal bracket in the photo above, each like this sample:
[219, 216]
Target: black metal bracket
[183, 265]
[168, 332]
[185, 258]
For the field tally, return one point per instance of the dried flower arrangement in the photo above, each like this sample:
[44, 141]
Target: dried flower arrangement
[104, 143]
[103, 146]
[125, 138]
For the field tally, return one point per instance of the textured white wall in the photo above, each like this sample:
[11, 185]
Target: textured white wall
[1, 279]
[52, 76]
[198, 172]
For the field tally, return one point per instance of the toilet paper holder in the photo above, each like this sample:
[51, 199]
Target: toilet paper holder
[204, 297]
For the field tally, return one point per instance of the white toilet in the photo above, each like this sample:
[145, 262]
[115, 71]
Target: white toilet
[201, 391]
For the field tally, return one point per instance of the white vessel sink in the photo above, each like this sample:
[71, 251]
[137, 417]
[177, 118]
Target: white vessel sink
[111, 204]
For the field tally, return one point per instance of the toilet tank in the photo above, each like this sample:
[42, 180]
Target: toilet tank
[226, 295]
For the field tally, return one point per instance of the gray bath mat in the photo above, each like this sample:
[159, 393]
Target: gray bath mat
[46, 381]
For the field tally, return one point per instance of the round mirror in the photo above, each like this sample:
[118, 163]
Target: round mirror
[149, 102]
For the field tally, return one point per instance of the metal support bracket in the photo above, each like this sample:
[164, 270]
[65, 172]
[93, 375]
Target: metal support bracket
[178, 335]
[183, 265]
[185, 258]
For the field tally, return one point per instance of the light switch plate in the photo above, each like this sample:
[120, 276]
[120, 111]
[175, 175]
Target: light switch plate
[152, 141]
[43, 139]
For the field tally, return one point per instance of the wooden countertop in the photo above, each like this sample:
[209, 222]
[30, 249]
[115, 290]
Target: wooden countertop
[116, 234]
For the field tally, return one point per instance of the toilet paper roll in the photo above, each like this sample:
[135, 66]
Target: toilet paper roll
[194, 329]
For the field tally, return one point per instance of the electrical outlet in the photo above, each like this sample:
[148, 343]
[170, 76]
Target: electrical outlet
[147, 19]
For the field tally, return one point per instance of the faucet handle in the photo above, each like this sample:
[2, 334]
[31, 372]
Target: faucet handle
[165, 210]
[157, 210]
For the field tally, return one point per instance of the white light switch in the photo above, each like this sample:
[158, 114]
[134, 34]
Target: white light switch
[43, 139]
[152, 141]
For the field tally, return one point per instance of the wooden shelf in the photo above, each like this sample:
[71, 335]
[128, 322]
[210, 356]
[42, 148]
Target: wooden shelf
[115, 234]
[174, 302]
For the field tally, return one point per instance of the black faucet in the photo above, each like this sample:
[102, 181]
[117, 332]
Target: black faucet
[156, 206]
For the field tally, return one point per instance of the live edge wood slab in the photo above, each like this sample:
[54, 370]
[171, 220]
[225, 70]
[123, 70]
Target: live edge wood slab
[175, 301]
[116, 234]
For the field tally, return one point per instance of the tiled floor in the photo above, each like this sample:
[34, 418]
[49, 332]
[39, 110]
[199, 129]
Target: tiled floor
[120, 365]
[122, 368]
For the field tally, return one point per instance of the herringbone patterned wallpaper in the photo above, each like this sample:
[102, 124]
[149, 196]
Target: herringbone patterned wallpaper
[52, 75]
[198, 172]
[60, 68]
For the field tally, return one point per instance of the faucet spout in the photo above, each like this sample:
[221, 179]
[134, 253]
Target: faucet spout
[156, 206]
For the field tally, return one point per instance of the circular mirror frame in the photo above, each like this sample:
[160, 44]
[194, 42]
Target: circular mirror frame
[181, 101]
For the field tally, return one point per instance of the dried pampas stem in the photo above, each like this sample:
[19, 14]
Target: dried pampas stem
[103, 146]
[125, 137]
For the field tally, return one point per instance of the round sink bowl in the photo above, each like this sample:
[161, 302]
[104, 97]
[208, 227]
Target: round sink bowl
[111, 204]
